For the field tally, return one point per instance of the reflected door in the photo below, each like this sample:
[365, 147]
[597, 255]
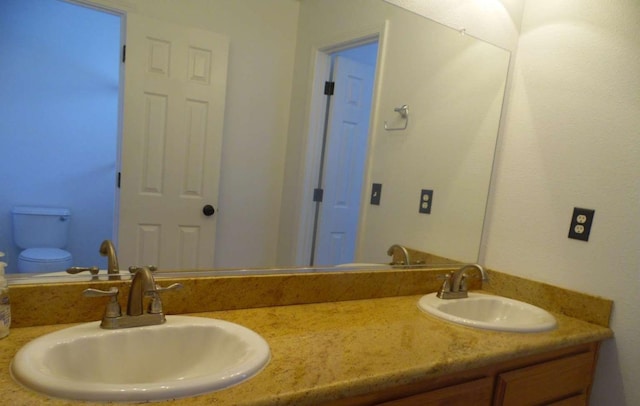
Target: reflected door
[345, 156]
[171, 142]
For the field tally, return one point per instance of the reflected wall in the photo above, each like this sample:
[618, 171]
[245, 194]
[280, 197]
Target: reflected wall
[454, 86]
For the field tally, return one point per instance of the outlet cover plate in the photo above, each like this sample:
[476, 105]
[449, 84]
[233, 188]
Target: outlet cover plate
[376, 193]
[426, 201]
[581, 222]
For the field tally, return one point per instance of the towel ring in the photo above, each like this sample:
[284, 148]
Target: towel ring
[404, 113]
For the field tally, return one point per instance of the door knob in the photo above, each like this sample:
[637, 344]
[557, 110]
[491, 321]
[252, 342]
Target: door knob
[208, 210]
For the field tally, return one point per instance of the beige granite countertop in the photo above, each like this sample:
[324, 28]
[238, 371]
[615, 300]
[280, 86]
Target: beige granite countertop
[325, 351]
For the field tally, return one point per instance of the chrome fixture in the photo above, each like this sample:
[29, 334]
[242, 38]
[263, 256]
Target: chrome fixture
[134, 269]
[391, 251]
[404, 113]
[77, 269]
[108, 250]
[142, 285]
[455, 283]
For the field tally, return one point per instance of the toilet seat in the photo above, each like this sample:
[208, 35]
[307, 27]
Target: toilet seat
[34, 260]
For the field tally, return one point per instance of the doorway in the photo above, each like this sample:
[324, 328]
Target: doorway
[60, 104]
[345, 139]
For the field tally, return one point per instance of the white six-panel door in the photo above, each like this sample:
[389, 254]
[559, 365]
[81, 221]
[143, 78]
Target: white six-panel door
[346, 151]
[174, 99]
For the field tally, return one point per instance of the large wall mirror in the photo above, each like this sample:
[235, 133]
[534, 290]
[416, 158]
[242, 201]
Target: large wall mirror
[401, 153]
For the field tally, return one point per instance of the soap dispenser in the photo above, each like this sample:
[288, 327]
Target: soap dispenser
[5, 306]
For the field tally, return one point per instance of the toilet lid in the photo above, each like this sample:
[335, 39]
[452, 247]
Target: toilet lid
[45, 255]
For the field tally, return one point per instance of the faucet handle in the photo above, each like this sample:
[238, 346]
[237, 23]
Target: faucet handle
[446, 285]
[463, 283]
[133, 269]
[91, 292]
[173, 286]
[77, 269]
[155, 306]
[113, 307]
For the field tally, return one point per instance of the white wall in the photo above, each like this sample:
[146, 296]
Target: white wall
[572, 138]
[495, 21]
[58, 119]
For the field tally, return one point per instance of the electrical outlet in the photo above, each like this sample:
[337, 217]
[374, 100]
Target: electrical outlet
[581, 223]
[376, 193]
[426, 201]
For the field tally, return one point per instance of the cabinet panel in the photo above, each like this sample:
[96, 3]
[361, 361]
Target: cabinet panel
[578, 400]
[557, 378]
[477, 393]
[547, 382]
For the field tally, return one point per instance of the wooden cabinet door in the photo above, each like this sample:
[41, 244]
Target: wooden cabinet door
[578, 400]
[477, 393]
[561, 380]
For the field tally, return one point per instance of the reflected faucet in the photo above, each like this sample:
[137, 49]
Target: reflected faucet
[455, 285]
[391, 251]
[108, 250]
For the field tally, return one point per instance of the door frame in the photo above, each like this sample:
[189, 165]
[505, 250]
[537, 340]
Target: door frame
[106, 6]
[315, 127]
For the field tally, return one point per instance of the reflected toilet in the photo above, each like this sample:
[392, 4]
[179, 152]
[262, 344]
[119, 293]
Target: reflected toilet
[42, 234]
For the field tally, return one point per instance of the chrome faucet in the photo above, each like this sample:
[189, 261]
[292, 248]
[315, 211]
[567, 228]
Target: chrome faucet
[455, 284]
[108, 250]
[391, 251]
[142, 285]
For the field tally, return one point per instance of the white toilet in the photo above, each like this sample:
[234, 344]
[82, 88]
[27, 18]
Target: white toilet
[42, 233]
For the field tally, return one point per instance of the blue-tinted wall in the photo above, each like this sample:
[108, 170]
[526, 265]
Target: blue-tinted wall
[59, 76]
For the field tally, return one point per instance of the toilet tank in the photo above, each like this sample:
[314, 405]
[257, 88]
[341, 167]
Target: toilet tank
[40, 227]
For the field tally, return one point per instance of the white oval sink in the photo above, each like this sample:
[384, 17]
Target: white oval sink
[183, 357]
[489, 312]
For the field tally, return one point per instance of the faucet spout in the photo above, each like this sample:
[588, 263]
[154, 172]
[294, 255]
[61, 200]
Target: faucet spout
[392, 250]
[108, 250]
[458, 276]
[142, 285]
[455, 287]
